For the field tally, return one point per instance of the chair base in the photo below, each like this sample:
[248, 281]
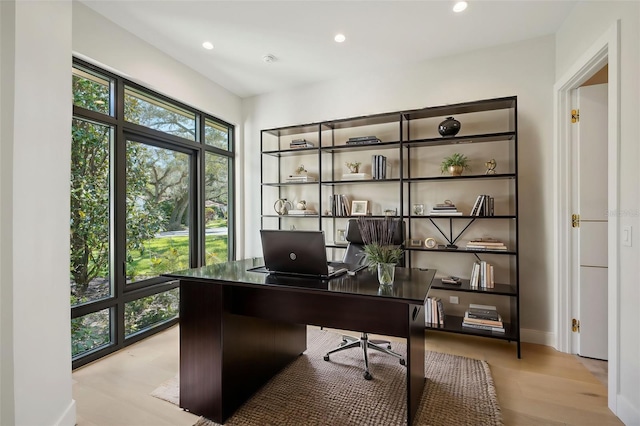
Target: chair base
[349, 342]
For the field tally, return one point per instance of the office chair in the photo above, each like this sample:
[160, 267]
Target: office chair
[354, 254]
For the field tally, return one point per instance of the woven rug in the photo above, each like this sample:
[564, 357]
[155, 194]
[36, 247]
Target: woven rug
[311, 391]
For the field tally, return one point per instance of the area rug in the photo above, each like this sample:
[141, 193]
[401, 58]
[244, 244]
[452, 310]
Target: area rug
[311, 391]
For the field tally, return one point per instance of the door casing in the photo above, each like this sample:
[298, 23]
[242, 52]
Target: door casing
[605, 50]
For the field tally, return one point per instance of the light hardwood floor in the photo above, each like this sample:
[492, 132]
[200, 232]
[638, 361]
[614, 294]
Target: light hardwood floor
[545, 387]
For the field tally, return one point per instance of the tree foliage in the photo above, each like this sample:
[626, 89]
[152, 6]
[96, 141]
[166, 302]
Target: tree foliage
[157, 181]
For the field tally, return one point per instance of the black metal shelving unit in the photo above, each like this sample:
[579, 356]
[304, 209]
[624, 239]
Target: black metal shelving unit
[404, 134]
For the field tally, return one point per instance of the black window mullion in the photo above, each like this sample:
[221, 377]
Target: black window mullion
[120, 215]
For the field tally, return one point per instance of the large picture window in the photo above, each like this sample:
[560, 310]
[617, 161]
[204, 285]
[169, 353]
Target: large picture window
[151, 192]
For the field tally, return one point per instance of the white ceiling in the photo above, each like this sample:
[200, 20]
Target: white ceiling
[300, 34]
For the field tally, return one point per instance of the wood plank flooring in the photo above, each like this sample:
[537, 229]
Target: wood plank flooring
[545, 387]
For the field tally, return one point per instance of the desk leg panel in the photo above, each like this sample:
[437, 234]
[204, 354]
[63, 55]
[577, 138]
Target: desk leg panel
[254, 351]
[415, 360]
[200, 349]
[225, 358]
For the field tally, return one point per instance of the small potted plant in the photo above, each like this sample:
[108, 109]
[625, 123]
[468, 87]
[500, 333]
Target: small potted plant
[354, 167]
[455, 164]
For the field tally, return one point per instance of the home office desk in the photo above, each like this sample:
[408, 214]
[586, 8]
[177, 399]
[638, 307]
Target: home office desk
[239, 328]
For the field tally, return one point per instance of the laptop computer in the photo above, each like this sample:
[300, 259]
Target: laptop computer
[300, 253]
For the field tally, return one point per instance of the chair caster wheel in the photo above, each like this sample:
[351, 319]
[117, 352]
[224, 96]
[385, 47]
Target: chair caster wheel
[368, 376]
[326, 357]
[403, 362]
[389, 347]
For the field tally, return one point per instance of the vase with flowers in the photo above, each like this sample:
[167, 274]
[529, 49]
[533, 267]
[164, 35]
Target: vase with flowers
[381, 254]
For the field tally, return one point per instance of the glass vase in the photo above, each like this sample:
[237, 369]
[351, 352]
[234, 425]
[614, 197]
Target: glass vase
[386, 273]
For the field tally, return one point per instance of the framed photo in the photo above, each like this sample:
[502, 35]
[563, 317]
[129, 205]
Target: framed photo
[341, 236]
[414, 243]
[359, 208]
[418, 209]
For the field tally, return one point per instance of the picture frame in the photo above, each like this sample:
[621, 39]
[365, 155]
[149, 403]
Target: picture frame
[359, 208]
[414, 242]
[418, 209]
[341, 236]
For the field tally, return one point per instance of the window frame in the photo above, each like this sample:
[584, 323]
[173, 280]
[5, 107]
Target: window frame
[122, 292]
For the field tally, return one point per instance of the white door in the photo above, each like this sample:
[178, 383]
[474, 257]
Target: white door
[592, 208]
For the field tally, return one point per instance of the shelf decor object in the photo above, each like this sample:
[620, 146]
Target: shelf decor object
[491, 167]
[282, 206]
[354, 166]
[447, 237]
[455, 164]
[359, 208]
[449, 127]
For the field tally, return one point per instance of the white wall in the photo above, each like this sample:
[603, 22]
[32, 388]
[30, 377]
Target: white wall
[587, 22]
[36, 376]
[7, 29]
[525, 69]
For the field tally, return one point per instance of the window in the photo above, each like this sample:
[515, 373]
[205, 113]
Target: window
[157, 219]
[216, 207]
[90, 216]
[150, 193]
[162, 116]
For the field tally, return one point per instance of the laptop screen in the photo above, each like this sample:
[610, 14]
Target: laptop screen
[295, 252]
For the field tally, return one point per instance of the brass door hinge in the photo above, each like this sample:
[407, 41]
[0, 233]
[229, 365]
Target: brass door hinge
[575, 325]
[575, 221]
[575, 115]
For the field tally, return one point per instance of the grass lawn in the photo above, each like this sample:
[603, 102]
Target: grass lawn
[167, 254]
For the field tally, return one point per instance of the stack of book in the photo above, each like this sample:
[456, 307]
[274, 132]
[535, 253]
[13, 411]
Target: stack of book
[483, 206]
[300, 143]
[434, 312]
[339, 205]
[363, 140]
[445, 209]
[483, 317]
[300, 178]
[379, 166]
[486, 244]
[482, 275]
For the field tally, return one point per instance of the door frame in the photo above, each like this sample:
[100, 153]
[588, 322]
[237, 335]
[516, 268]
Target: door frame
[605, 50]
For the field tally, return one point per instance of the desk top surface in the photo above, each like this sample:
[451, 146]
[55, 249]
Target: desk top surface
[410, 285]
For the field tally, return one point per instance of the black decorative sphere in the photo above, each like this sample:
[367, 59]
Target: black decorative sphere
[449, 127]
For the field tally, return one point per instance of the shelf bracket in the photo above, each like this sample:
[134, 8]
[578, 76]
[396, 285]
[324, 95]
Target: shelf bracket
[450, 239]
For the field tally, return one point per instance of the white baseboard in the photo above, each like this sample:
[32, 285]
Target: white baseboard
[538, 337]
[629, 414]
[68, 418]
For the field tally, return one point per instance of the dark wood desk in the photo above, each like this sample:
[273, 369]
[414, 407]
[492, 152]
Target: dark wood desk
[238, 328]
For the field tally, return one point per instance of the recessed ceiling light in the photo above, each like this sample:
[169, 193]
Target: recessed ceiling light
[339, 38]
[460, 6]
[207, 45]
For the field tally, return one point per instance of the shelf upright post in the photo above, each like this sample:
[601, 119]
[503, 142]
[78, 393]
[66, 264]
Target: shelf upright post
[403, 119]
[319, 154]
[261, 180]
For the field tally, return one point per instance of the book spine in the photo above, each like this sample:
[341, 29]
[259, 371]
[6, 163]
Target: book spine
[383, 171]
[483, 327]
[483, 322]
[483, 317]
[440, 313]
[374, 169]
[483, 274]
